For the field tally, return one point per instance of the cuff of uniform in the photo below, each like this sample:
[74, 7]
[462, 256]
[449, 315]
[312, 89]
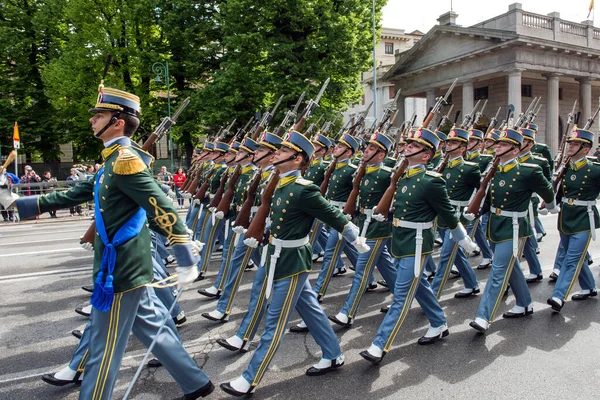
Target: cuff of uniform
[165, 188]
[28, 206]
[459, 233]
[184, 255]
[350, 232]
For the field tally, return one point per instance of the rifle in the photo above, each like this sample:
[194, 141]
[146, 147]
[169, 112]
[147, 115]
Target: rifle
[440, 168]
[444, 119]
[159, 132]
[475, 203]
[493, 121]
[289, 115]
[469, 117]
[563, 141]
[523, 116]
[441, 101]
[329, 124]
[313, 126]
[310, 107]
[478, 115]
[243, 217]
[265, 121]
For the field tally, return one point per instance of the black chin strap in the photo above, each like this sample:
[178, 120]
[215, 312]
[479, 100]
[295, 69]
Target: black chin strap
[112, 121]
[255, 161]
[506, 152]
[416, 153]
[290, 158]
[471, 149]
[374, 154]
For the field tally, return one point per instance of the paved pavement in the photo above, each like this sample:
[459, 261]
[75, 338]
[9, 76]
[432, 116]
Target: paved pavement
[545, 356]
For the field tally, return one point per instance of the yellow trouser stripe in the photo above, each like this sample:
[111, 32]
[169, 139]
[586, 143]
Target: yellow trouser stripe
[256, 312]
[81, 366]
[474, 230]
[447, 271]
[227, 260]
[210, 243]
[407, 303]
[365, 279]
[109, 348]
[203, 228]
[280, 328]
[582, 259]
[507, 274]
[315, 233]
[331, 266]
[238, 279]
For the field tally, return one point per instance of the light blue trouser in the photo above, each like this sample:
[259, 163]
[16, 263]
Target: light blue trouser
[480, 238]
[228, 249]
[539, 227]
[560, 256]
[166, 295]
[429, 265]
[574, 266]
[138, 311]
[161, 248]
[378, 256]
[333, 253]
[211, 233]
[505, 269]
[256, 307]
[82, 353]
[318, 237]
[287, 294]
[237, 265]
[191, 214]
[406, 289]
[532, 259]
[450, 254]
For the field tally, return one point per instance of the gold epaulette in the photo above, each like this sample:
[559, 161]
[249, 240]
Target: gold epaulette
[303, 182]
[128, 163]
[433, 173]
[470, 163]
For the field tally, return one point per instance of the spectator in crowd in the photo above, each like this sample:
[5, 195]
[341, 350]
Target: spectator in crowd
[597, 152]
[74, 177]
[97, 167]
[6, 181]
[30, 177]
[179, 178]
[89, 172]
[165, 177]
[49, 187]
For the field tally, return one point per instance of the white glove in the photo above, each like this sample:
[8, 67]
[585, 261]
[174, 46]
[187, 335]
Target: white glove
[189, 232]
[171, 194]
[197, 246]
[86, 246]
[543, 211]
[378, 217]
[348, 217]
[186, 195]
[468, 216]
[196, 202]
[238, 229]
[361, 245]
[468, 245]
[251, 242]
[219, 215]
[552, 207]
[187, 275]
[555, 210]
[212, 209]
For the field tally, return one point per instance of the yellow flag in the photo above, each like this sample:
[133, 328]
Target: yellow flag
[591, 7]
[16, 136]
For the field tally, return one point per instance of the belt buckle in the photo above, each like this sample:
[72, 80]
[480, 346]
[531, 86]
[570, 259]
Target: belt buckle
[498, 212]
[570, 202]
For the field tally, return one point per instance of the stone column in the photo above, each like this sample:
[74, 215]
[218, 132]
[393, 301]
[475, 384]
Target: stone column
[552, 110]
[401, 110]
[430, 93]
[514, 91]
[467, 98]
[585, 99]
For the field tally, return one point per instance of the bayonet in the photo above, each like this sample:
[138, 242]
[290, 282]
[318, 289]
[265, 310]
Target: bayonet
[445, 118]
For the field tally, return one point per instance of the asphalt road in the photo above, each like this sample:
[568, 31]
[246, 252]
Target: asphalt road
[545, 356]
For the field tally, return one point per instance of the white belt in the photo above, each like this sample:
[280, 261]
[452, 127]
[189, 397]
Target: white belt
[590, 210]
[419, 227]
[280, 244]
[368, 212]
[211, 196]
[515, 215]
[253, 209]
[459, 204]
[338, 204]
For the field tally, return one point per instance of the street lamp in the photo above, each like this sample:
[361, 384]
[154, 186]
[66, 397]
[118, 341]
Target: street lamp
[161, 70]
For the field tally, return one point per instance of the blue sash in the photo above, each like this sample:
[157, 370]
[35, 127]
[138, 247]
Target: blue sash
[102, 296]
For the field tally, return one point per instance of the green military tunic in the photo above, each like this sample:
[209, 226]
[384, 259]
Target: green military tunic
[372, 187]
[340, 184]
[483, 160]
[126, 185]
[316, 171]
[294, 205]
[436, 160]
[543, 164]
[241, 186]
[511, 189]
[462, 179]
[389, 162]
[543, 150]
[421, 196]
[581, 182]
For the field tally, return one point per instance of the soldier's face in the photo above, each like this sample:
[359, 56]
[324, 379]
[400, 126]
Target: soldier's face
[260, 153]
[285, 153]
[452, 145]
[99, 120]
[574, 148]
[229, 157]
[411, 150]
[242, 155]
[319, 150]
[370, 152]
[489, 143]
[339, 149]
[473, 144]
[506, 151]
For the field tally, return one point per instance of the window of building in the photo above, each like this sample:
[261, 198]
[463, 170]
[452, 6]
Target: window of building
[392, 92]
[526, 91]
[449, 101]
[560, 93]
[481, 93]
[389, 48]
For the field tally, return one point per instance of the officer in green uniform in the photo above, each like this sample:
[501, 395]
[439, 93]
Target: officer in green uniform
[295, 203]
[490, 140]
[508, 201]
[419, 198]
[439, 154]
[542, 148]
[578, 219]
[206, 155]
[125, 196]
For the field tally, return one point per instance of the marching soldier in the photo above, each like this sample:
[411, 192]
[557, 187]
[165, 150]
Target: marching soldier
[462, 179]
[295, 203]
[420, 197]
[542, 148]
[439, 154]
[577, 220]
[508, 201]
[125, 193]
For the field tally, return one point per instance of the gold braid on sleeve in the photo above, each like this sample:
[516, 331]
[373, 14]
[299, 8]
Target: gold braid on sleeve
[166, 221]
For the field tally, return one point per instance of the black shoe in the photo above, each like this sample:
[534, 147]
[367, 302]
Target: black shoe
[372, 286]
[541, 237]
[226, 387]
[202, 392]
[215, 296]
[340, 271]
[79, 310]
[225, 344]
[88, 288]
[382, 282]
[312, 371]
[154, 363]
[431, 340]
[477, 327]
[538, 251]
[77, 333]
[536, 279]
[319, 298]
[556, 306]
[590, 261]
[553, 277]
[223, 319]
[199, 278]
[370, 357]
[509, 314]
[484, 266]
[584, 296]
[463, 295]
[455, 274]
[340, 323]
[430, 276]
[384, 309]
[476, 253]
[297, 329]
[49, 378]
[439, 241]
[179, 321]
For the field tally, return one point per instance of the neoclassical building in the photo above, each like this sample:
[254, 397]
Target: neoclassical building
[509, 59]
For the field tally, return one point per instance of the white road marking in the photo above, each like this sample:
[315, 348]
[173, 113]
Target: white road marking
[43, 273]
[34, 242]
[42, 252]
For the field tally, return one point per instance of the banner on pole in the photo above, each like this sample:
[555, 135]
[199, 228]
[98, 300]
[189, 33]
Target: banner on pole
[16, 137]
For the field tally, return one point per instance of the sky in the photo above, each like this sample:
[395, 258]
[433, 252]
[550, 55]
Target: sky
[421, 15]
